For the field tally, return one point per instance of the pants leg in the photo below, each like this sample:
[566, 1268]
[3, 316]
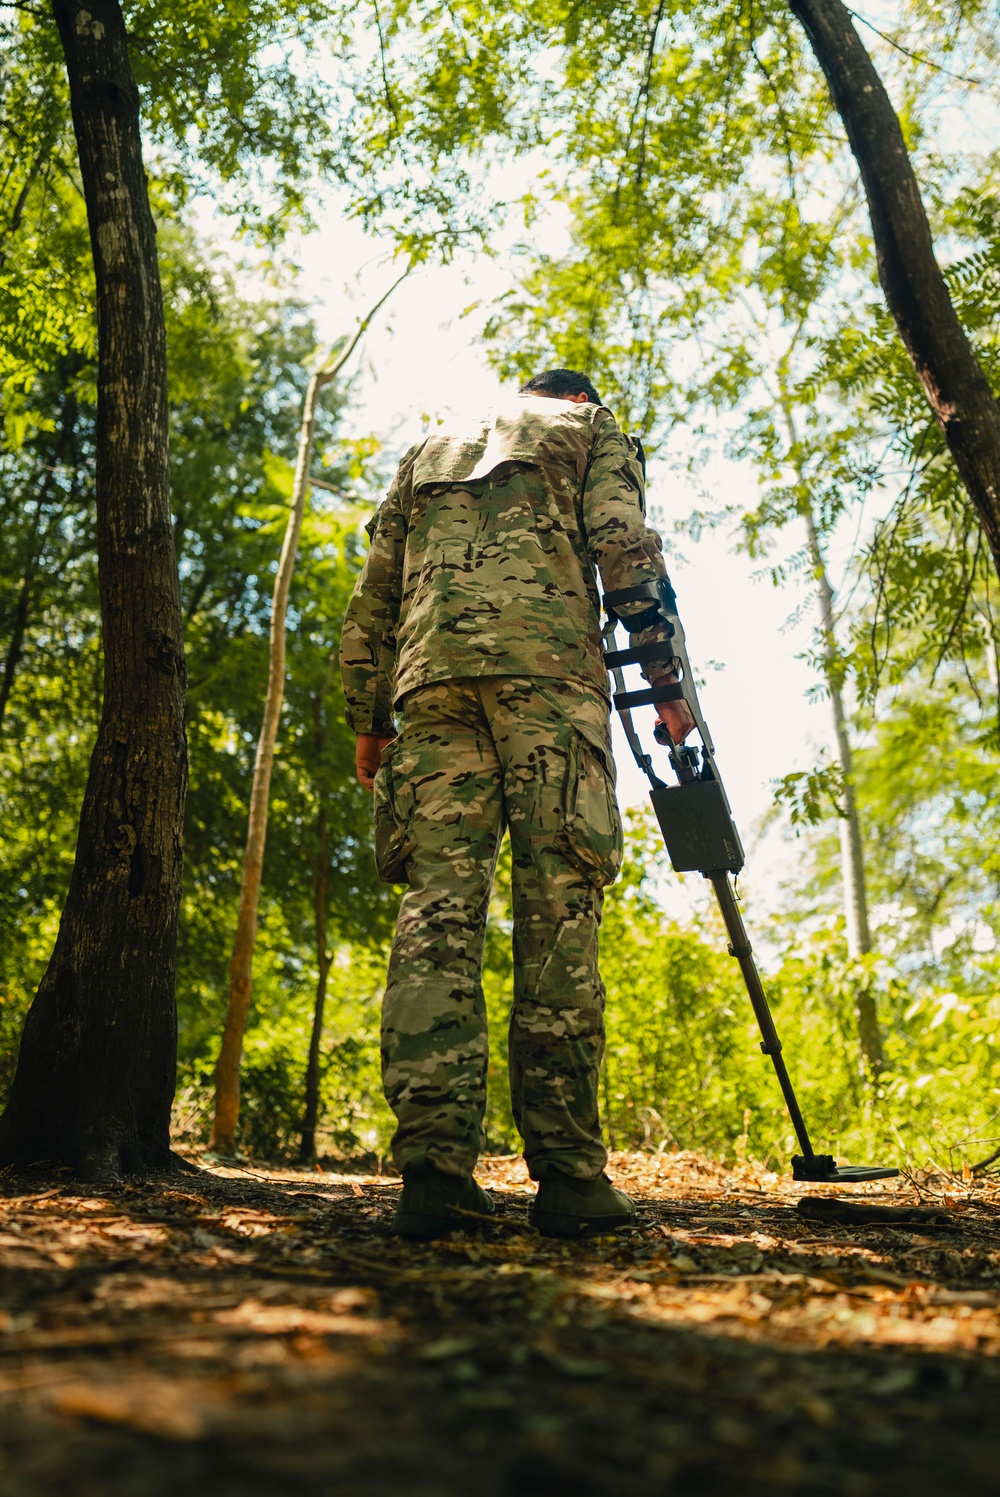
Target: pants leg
[553, 742]
[442, 783]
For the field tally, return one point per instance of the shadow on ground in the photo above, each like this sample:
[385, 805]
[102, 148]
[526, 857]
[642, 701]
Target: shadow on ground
[252, 1332]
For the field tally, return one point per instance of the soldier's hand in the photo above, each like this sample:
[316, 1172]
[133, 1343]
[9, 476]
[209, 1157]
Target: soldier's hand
[677, 717]
[367, 756]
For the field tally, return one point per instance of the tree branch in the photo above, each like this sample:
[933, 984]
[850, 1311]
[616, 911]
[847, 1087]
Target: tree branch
[330, 370]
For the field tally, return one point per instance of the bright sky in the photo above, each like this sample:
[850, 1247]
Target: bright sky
[424, 359]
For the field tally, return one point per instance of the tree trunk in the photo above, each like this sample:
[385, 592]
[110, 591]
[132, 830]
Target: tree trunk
[915, 290]
[852, 862]
[307, 1148]
[227, 1072]
[95, 1075]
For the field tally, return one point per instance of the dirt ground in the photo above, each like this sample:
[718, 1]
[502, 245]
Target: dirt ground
[248, 1332]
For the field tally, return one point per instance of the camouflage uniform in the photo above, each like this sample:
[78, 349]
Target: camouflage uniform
[476, 620]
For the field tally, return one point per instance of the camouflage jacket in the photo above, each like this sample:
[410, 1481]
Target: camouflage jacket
[483, 556]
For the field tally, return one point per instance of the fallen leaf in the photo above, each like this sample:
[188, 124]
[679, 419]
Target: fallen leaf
[172, 1410]
[448, 1346]
[976, 1299]
[279, 1320]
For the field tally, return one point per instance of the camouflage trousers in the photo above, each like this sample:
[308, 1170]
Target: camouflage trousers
[473, 757]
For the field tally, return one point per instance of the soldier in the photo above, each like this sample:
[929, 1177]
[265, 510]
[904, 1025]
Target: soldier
[474, 628]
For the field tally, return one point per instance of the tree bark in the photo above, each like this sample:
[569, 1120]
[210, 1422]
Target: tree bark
[945, 361]
[227, 1071]
[95, 1074]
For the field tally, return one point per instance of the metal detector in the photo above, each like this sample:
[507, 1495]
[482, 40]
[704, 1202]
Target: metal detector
[697, 824]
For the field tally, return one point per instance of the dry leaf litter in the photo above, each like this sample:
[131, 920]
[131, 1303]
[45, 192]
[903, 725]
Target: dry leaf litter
[254, 1331]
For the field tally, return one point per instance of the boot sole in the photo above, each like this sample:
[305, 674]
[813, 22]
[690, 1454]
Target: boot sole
[415, 1226]
[562, 1224]
[422, 1226]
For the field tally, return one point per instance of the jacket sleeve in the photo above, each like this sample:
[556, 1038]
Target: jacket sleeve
[368, 638]
[621, 545]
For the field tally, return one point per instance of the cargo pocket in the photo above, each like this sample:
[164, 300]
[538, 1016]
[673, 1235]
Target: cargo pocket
[590, 837]
[394, 841]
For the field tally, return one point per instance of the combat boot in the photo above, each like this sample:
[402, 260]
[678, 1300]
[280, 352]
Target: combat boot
[567, 1207]
[433, 1203]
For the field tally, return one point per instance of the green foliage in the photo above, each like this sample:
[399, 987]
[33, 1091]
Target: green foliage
[685, 175]
[47, 322]
[809, 795]
[932, 580]
[353, 1115]
[235, 97]
[253, 104]
[927, 782]
[943, 1104]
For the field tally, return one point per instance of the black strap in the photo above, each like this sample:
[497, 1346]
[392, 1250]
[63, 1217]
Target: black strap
[651, 697]
[641, 593]
[645, 620]
[639, 655]
[640, 453]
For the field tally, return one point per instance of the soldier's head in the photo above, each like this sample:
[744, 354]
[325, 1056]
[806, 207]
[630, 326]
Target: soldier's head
[563, 384]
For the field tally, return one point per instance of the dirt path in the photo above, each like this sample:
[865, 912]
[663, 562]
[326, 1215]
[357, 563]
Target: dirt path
[260, 1333]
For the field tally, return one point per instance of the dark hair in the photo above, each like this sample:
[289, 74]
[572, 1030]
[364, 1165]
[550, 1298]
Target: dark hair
[561, 382]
